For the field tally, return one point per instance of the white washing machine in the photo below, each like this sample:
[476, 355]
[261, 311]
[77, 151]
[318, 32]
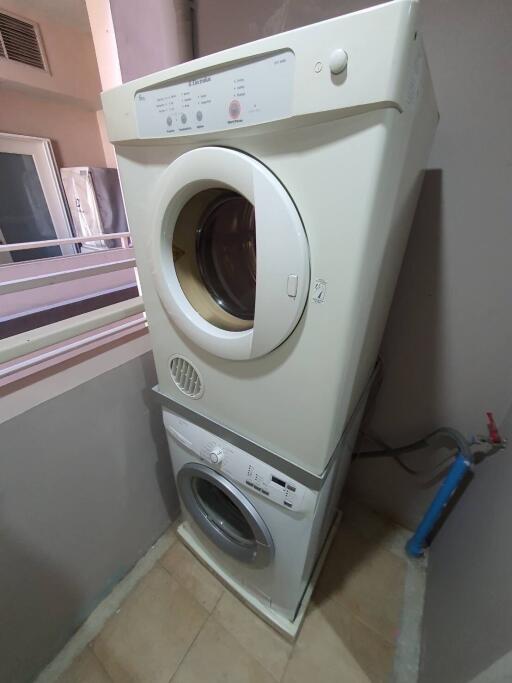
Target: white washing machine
[270, 190]
[262, 531]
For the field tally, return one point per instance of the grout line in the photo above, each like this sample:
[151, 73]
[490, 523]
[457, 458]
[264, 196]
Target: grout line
[93, 625]
[185, 588]
[218, 599]
[242, 646]
[100, 664]
[288, 661]
[190, 647]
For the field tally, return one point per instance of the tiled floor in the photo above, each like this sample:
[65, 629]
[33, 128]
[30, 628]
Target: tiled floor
[179, 624]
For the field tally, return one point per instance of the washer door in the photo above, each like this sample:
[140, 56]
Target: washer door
[230, 255]
[225, 515]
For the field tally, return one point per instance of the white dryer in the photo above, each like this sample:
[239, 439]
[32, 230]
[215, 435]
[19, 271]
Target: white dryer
[262, 531]
[270, 190]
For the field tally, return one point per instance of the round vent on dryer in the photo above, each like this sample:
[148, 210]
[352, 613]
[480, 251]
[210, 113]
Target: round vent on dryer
[186, 377]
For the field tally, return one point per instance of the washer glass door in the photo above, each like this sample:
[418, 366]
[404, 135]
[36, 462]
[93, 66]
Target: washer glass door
[225, 514]
[230, 255]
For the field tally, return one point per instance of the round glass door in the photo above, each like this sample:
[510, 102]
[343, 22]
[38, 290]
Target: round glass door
[214, 254]
[225, 515]
[222, 512]
[230, 258]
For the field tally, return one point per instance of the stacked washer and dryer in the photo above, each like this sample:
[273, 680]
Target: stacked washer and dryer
[270, 190]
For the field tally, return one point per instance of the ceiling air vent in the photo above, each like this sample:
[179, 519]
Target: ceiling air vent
[20, 41]
[186, 377]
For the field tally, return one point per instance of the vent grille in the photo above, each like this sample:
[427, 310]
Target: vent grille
[20, 41]
[186, 377]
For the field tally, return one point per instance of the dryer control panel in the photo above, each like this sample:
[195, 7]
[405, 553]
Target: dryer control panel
[239, 466]
[256, 91]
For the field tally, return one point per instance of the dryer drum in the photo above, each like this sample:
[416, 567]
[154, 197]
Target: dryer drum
[226, 253]
[214, 254]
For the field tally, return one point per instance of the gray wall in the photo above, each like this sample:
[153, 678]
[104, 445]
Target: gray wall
[467, 628]
[151, 35]
[468, 607]
[85, 488]
[225, 23]
[448, 340]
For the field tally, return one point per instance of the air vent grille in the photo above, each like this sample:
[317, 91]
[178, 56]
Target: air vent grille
[20, 41]
[186, 377]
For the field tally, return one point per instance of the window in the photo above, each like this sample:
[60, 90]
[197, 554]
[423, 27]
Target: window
[48, 273]
[32, 207]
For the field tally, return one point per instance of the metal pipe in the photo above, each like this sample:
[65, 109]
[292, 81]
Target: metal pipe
[417, 544]
[34, 281]
[19, 246]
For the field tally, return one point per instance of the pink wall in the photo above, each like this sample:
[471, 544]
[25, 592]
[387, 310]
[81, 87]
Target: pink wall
[70, 54]
[60, 105]
[74, 131]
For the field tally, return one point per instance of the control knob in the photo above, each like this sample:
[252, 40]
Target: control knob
[216, 455]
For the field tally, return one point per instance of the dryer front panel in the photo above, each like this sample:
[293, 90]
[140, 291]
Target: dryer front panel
[230, 255]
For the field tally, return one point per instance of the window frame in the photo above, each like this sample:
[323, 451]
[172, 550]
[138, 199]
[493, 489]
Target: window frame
[40, 149]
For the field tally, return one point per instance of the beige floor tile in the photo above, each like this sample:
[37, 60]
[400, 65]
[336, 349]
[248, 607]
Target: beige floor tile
[372, 652]
[264, 643]
[366, 579]
[216, 657]
[189, 572]
[322, 652]
[374, 528]
[84, 669]
[146, 640]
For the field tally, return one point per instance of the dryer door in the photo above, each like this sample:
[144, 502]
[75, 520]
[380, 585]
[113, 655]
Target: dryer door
[230, 255]
[225, 515]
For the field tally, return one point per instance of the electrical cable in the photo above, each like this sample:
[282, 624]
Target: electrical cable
[445, 433]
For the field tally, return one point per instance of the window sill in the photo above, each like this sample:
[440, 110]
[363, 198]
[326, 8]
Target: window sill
[30, 387]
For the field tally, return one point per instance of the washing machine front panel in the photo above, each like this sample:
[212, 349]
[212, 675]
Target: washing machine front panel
[279, 579]
[225, 514]
[230, 255]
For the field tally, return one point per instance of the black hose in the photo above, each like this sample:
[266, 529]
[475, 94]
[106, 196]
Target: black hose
[452, 436]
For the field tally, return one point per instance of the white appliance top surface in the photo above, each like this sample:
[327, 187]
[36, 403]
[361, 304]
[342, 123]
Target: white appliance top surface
[285, 76]
[241, 467]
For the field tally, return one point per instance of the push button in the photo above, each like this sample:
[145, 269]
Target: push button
[292, 286]
[338, 61]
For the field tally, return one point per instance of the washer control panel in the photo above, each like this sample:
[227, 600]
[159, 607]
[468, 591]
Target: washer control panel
[254, 92]
[238, 465]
